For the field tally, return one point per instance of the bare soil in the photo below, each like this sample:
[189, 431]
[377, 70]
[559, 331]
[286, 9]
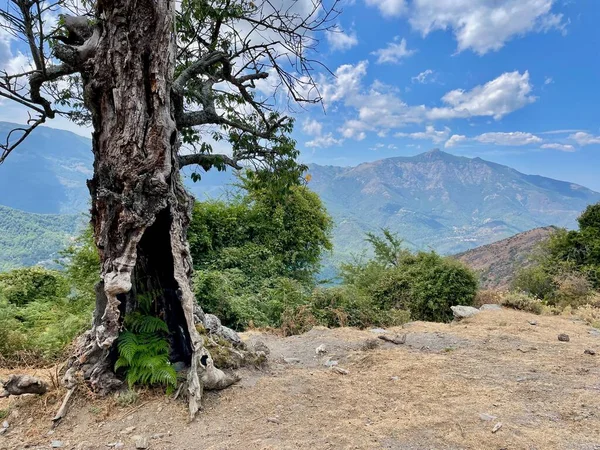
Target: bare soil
[447, 387]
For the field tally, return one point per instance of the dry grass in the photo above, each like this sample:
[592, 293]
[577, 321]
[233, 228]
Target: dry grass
[414, 396]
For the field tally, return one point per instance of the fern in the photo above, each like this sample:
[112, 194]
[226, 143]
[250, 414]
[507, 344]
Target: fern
[144, 349]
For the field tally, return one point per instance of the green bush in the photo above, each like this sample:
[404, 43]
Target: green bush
[29, 284]
[41, 310]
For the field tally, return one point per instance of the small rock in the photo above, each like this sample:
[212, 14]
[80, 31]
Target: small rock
[331, 363]
[230, 335]
[532, 322]
[490, 307]
[394, 378]
[291, 360]
[212, 323]
[157, 436]
[377, 330]
[116, 445]
[340, 370]
[127, 430]
[594, 332]
[321, 349]
[273, 420]
[5, 424]
[497, 427]
[463, 312]
[589, 351]
[260, 346]
[3, 430]
[56, 444]
[487, 417]
[142, 443]
[562, 337]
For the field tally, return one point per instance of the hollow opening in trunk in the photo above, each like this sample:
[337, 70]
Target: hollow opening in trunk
[153, 275]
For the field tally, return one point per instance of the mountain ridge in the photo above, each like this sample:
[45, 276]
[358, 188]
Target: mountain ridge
[434, 200]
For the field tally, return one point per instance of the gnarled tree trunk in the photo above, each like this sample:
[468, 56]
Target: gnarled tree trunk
[140, 210]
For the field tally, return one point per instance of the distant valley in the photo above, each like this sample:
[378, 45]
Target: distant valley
[434, 200]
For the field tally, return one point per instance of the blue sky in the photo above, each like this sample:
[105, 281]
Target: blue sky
[512, 81]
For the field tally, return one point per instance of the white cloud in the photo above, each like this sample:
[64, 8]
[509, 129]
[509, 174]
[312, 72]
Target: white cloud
[312, 127]
[430, 133]
[380, 109]
[427, 76]
[346, 84]
[393, 53]
[454, 140]
[561, 147]
[483, 25]
[514, 138]
[583, 138]
[548, 80]
[324, 141]
[339, 40]
[389, 8]
[507, 93]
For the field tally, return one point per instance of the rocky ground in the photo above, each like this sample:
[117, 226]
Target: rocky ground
[498, 380]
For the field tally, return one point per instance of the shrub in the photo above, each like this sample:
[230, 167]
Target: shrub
[535, 281]
[523, 302]
[572, 289]
[22, 286]
[427, 285]
[487, 297]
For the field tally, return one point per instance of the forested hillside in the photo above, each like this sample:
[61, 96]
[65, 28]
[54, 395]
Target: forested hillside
[27, 239]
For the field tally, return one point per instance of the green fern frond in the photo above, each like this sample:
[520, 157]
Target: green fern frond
[128, 346]
[144, 350]
[140, 323]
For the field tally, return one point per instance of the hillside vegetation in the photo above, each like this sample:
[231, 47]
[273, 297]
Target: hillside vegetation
[28, 239]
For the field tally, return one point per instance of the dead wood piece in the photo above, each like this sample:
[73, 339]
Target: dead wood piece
[23, 384]
[397, 339]
[62, 411]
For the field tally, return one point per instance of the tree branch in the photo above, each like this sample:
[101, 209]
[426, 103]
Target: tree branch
[207, 161]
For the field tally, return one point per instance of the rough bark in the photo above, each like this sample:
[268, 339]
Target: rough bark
[140, 210]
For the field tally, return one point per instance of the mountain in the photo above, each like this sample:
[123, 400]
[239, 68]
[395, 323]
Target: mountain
[47, 173]
[439, 201]
[497, 263]
[434, 200]
[27, 238]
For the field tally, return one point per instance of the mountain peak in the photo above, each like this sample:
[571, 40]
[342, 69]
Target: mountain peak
[435, 154]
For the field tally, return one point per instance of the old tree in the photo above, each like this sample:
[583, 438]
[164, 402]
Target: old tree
[159, 81]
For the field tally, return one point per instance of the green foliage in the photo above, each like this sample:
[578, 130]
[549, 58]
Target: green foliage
[83, 264]
[144, 348]
[37, 315]
[388, 249]
[42, 310]
[278, 228]
[257, 255]
[27, 239]
[425, 284]
[22, 286]
[566, 269]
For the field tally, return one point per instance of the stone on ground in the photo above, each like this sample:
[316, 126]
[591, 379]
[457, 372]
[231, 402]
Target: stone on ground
[463, 312]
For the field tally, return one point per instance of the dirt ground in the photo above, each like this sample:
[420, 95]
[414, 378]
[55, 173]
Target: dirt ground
[447, 387]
